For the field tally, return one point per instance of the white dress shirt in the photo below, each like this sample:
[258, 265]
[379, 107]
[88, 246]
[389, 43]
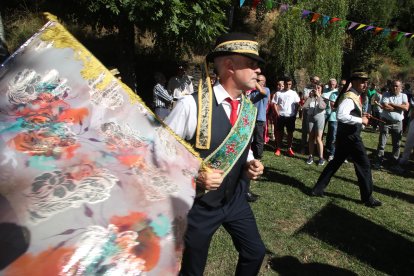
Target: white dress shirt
[344, 112]
[180, 86]
[183, 118]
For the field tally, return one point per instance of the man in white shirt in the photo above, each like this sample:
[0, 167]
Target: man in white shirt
[394, 103]
[217, 121]
[349, 142]
[287, 103]
[180, 84]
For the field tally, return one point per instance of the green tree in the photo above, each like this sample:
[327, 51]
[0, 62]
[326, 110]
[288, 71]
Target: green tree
[177, 25]
[297, 43]
[364, 46]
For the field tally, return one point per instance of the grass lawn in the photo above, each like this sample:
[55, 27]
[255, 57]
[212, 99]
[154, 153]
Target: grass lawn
[334, 235]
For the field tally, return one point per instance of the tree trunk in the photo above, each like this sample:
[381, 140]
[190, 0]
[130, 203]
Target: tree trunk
[127, 51]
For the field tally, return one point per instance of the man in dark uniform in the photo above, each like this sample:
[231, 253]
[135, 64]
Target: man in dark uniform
[219, 122]
[349, 142]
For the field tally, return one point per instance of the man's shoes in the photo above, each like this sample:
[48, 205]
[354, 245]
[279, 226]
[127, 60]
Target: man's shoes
[317, 193]
[372, 202]
[309, 161]
[277, 152]
[321, 162]
[251, 197]
[330, 158]
[290, 152]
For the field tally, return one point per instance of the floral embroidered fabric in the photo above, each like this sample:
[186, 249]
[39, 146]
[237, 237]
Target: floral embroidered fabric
[94, 184]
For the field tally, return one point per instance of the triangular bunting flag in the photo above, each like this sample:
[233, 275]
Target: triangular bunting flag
[412, 36]
[269, 4]
[343, 23]
[361, 26]
[377, 30]
[407, 34]
[400, 35]
[315, 17]
[255, 3]
[335, 19]
[393, 34]
[353, 24]
[241, 2]
[325, 20]
[385, 32]
[369, 28]
[305, 13]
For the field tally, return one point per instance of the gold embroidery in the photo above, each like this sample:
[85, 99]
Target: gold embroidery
[239, 46]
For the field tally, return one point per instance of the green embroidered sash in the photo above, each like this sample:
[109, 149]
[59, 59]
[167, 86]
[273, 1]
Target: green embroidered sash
[233, 146]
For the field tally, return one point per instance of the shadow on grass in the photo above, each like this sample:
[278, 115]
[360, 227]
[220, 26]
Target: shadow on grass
[387, 192]
[277, 177]
[395, 194]
[370, 243]
[289, 265]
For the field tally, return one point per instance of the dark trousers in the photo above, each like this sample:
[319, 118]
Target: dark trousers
[238, 220]
[331, 137]
[304, 137]
[349, 145]
[258, 139]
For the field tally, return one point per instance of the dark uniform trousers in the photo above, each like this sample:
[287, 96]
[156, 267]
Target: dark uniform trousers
[349, 144]
[225, 206]
[238, 220]
[258, 139]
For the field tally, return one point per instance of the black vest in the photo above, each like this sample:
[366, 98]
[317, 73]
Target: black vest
[350, 129]
[219, 130]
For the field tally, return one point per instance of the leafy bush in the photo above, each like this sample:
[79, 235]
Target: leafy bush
[20, 26]
[401, 56]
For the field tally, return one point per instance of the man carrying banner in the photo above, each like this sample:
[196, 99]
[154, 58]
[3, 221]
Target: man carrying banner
[219, 122]
[349, 143]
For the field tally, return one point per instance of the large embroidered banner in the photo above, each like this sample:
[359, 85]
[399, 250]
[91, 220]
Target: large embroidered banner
[91, 183]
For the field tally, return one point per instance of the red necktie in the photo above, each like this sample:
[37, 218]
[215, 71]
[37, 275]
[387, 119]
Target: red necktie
[234, 106]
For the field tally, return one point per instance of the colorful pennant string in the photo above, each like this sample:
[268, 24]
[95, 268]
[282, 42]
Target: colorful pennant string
[326, 20]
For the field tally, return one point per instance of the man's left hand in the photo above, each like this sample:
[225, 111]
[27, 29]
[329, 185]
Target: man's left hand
[254, 169]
